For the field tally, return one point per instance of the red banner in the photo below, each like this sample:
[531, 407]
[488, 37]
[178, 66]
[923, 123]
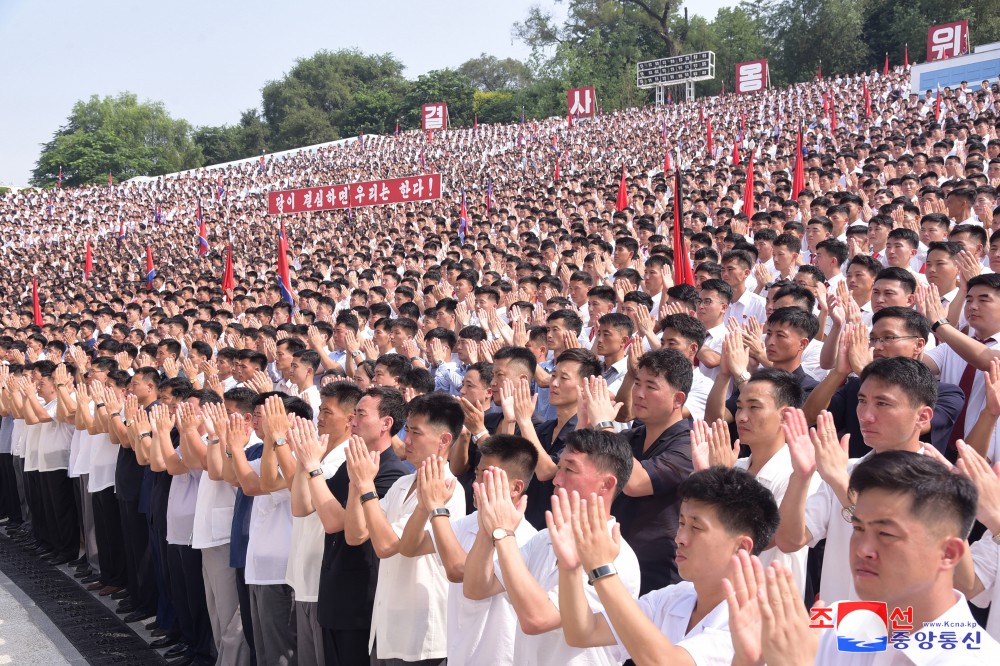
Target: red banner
[355, 195]
[751, 76]
[947, 40]
[434, 116]
[581, 102]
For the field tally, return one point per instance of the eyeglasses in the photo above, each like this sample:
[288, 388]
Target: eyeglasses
[889, 339]
[705, 301]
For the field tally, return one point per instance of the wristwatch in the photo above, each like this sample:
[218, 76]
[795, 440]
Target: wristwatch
[370, 495]
[742, 379]
[939, 322]
[600, 572]
[501, 533]
[480, 435]
[279, 442]
[440, 511]
[602, 425]
[316, 472]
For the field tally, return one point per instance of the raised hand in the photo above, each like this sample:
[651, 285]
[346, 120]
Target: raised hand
[786, 639]
[594, 544]
[499, 510]
[601, 405]
[524, 401]
[362, 464]
[435, 486]
[831, 452]
[800, 444]
[560, 523]
[741, 588]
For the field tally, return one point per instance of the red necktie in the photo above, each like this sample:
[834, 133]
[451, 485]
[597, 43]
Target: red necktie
[923, 267]
[965, 383]
[812, 259]
[593, 332]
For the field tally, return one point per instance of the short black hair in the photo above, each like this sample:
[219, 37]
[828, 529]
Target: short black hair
[442, 410]
[571, 320]
[619, 321]
[515, 452]
[688, 327]
[804, 322]
[914, 322]
[798, 293]
[589, 364]
[670, 364]
[718, 286]
[521, 355]
[241, 397]
[910, 375]
[743, 504]
[391, 403]
[935, 492]
[395, 364]
[609, 451]
[345, 394]
[900, 275]
[786, 388]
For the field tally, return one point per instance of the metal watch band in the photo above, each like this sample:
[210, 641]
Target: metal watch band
[600, 572]
[604, 424]
[440, 511]
[280, 442]
[319, 471]
[370, 495]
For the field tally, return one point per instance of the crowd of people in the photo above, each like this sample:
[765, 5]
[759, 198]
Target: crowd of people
[524, 437]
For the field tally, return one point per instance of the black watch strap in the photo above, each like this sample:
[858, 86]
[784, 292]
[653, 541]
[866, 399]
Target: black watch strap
[370, 495]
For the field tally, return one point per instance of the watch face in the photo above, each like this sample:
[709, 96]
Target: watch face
[499, 533]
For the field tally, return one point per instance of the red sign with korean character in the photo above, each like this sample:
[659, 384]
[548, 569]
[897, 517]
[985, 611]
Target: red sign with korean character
[434, 116]
[581, 102]
[947, 40]
[355, 195]
[751, 77]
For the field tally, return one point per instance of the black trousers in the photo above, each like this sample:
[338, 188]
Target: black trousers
[243, 592]
[33, 492]
[59, 504]
[110, 540]
[138, 558]
[345, 648]
[10, 501]
[187, 594]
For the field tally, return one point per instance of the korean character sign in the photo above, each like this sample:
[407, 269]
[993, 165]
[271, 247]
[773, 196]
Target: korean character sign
[947, 40]
[355, 195]
[751, 76]
[434, 116]
[581, 102]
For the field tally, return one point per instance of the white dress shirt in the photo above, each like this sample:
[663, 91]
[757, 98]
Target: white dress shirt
[747, 305]
[986, 559]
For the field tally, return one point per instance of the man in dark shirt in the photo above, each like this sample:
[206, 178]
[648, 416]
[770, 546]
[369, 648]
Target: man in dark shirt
[649, 507]
[896, 331]
[348, 574]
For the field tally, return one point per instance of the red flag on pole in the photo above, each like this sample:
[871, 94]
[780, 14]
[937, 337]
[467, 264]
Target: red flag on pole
[621, 203]
[799, 177]
[150, 271]
[228, 278]
[937, 106]
[666, 162]
[885, 70]
[284, 280]
[906, 56]
[819, 71]
[111, 181]
[569, 118]
[37, 307]
[88, 262]
[556, 177]
[868, 101]
[708, 142]
[736, 151]
[683, 273]
[748, 207]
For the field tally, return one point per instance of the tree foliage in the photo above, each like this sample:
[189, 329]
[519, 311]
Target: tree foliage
[120, 135]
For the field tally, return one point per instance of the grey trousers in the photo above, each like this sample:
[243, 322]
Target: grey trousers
[223, 604]
[86, 516]
[309, 634]
[273, 615]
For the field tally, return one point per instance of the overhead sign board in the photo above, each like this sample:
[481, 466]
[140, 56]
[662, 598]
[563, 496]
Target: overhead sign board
[676, 70]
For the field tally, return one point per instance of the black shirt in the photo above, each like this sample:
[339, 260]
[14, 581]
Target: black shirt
[348, 574]
[539, 493]
[649, 524]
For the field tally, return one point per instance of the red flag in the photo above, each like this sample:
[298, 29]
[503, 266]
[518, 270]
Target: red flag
[284, 280]
[819, 71]
[556, 177]
[621, 203]
[111, 181]
[701, 114]
[88, 263]
[885, 70]
[683, 273]
[228, 278]
[868, 101]
[833, 116]
[150, 271]
[937, 106]
[36, 305]
[666, 162]
[430, 136]
[736, 151]
[708, 143]
[799, 177]
[906, 56]
[569, 117]
[748, 207]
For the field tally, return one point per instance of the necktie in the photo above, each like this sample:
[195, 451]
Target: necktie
[923, 268]
[965, 383]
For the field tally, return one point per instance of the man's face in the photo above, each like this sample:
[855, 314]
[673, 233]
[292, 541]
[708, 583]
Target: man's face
[299, 373]
[282, 359]
[333, 419]
[896, 556]
[398, 336]
[860, 282]
[381, 338]
[565, 382]
[758, 417]
[598, 307]
[890, 293]
[982, 309]
[783, 343]
[423, 439]
[941, 270]
[931, 232]
[734, 273]
[474, 390]
[652, 397]
[783, 258]
[894, 340]
[383, 377]
[610, 341]
[816, 233]
[704, 545]
[576, 471]
[366, 423]
[653, 280]
[672, 339]
[877, 235]
[247, 369]
[898, 252]
[711, 307]
[968, 243]
[887, 418]
[622, 257]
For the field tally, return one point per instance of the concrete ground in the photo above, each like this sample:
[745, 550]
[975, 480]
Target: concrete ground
[27, 636]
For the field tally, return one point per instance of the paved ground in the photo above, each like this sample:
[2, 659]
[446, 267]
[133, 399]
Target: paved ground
[27, 636]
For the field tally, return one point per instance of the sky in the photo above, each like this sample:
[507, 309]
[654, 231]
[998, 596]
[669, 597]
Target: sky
[207, 60]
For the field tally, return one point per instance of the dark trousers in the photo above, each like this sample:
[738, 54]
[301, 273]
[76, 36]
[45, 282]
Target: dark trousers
[59, 503]
[33, 493]
[345, 648]
[10, 502]
[110, 540]
[244, 594]
[138, 556]
[166, 617]
[187, 595]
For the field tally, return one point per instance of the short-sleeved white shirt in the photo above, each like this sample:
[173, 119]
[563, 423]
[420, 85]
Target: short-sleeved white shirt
[54, 440]
[551, 648]
[410, 617]
[181, 506]
[480, 631]
[213, 512]
[308, 539]
[103, 462]
[270, 536]
[670, 608]
[824, 520]
[986, 558]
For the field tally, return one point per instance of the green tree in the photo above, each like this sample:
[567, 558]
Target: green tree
[219, 144]
[120, 135]
[489, 73]
[442, 85]
[738, 35]
[495, 107]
